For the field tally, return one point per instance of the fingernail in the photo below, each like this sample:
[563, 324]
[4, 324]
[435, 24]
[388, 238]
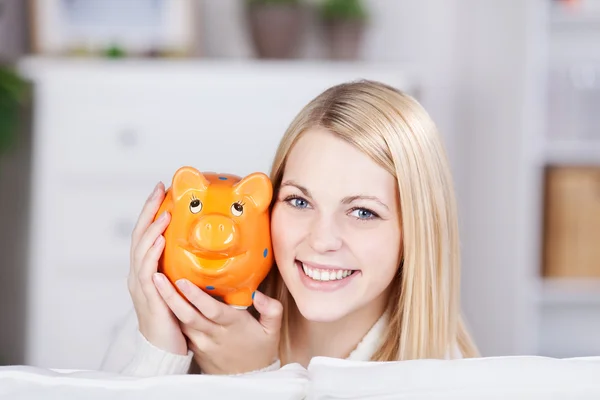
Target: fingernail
[159, 240]
[156, 191]
[163, 216]
[159, 280]
[257, 300]
[182, 284]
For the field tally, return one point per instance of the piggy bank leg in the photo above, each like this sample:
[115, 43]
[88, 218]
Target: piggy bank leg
[241, 299]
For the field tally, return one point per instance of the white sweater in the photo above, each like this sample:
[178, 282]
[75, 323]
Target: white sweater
[131, 354]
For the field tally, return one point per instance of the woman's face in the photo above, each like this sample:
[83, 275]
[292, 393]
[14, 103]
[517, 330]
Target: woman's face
[335, 228]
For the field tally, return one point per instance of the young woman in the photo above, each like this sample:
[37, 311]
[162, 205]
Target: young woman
[366, 247]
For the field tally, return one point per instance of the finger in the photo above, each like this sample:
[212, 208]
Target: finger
[148, 212]
[139, 280]
[154, 231]
[270, 310]
[148, 267]
[211, 308]
[183, 310]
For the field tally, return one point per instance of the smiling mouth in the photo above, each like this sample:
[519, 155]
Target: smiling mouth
[209, 255]
[211, 263]
[325, 274]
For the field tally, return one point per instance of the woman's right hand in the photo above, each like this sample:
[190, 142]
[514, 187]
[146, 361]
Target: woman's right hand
[156, 321]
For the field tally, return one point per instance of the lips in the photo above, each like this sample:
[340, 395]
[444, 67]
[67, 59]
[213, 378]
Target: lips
[325, 274]
[325, 278]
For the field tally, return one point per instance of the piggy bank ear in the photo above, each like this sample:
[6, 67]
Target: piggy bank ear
[257, 188]
[188, 178]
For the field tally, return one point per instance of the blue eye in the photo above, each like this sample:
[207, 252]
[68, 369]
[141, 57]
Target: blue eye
[363, 214]
[298, 203]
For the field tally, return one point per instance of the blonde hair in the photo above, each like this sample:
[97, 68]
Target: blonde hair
[396, 132]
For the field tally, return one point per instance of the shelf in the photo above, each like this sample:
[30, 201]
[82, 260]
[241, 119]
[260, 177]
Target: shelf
[35, 63]
[569, 292]
[236, 73]
[572, 152]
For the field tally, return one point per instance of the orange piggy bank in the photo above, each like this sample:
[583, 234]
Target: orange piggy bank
[219, 234]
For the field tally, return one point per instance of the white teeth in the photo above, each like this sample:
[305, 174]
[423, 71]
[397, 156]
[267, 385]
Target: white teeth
[325, 275]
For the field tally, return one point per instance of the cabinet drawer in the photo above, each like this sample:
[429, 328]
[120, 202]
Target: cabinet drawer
[128, 130]
[93, 228]
[572, 222]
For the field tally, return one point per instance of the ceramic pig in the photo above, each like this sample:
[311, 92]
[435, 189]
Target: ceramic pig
[219, 234]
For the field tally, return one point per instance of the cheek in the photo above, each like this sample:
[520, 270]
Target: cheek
[379, 251]
[284, 233]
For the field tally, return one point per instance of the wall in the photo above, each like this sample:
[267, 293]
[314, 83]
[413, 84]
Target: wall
[14, 194]
[502, 49]
[13, 34]
[400, 31]
[14, 202]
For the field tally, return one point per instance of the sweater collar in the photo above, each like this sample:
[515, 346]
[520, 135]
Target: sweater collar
[371, 341]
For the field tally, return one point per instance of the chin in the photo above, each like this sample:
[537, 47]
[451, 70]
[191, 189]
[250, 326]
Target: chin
[315, 311]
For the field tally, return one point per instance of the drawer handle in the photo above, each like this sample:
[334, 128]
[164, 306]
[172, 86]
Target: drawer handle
[127, 138]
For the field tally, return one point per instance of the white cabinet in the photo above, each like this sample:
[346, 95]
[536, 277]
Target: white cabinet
[104, 132]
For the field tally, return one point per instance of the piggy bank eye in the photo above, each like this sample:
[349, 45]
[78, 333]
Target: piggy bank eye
[195, 206]
[237, 209]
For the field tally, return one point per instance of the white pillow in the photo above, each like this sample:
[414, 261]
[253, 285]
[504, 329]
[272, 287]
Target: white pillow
[25, 382]
[483, 378]
[525, 377]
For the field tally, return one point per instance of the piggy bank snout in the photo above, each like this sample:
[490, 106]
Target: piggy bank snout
[215, 233]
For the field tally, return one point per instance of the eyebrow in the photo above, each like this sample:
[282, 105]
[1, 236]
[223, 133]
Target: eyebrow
[345, 200]
[350, 199]
[299, 187]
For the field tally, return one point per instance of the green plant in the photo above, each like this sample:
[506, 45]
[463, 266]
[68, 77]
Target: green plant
[13, 91]
[332, 10]
[274, 2]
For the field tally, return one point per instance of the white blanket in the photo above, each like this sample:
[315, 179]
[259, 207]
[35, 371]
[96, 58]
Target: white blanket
[484, 378]
[24, 382]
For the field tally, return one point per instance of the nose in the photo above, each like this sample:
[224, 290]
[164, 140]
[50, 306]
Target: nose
[324, 235]
[215, 233]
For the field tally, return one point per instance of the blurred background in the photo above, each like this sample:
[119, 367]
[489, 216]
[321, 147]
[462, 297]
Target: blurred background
[100, 99]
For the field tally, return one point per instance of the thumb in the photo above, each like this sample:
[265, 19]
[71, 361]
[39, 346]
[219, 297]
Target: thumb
[270, 311]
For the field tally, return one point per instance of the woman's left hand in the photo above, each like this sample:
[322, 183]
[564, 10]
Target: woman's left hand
[225, 340]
